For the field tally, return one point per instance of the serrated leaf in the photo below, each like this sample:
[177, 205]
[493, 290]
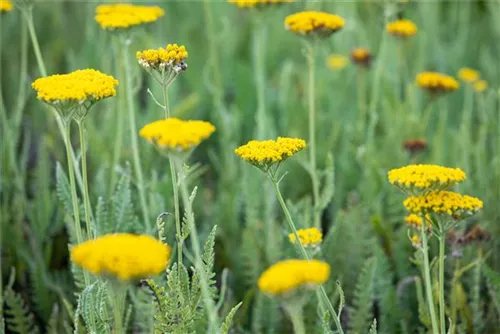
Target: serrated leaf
[363, 299]
[227, 323]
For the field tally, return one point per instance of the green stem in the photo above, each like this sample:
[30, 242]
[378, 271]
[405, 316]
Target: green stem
[133, 135]
[442, 305]
[164, 89]
[428, 282]
[86, 197]
[361, 100]
[21, 95]
[312, 134]
[320, 293]
[259, 41]
[177, 212]
[297, 318]
[117, 300]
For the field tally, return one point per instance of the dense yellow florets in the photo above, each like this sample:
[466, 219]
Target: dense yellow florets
[124, 256]
[443, 202]
[172, 56]
[77, 86]
[309, 237]
[265, 153]
[175, 134]
[414, 220]
[122, 16]
[286, 276]
[402, 28]
[257, 3]
[417, 178]
[337, 62]
[468, 75]
[437, 82]
[310, 22]
[480, 86]
[5, 6]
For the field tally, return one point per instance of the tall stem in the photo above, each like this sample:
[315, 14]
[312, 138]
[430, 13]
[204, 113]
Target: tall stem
[320, 293]
[133, 134]
[164, 89]
[86, 197]
[117, 301]
[361, 100]
[312, 134]
[259, 42]
[297, 318]
[428, 282]
[177, 212]
[442, 305]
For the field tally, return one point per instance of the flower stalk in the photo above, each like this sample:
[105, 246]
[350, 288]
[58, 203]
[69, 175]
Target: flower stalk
[86, 196]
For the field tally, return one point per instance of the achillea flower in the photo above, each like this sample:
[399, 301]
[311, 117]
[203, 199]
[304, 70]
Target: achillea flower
[480, 86]
[123, 16]
[5, 6]
[436, 82]
[257, 3]
[337, 62]
[443, 202]
[415, 241]
[362, 57]
[172, 56]
[468, 75]
[415, 145]
[176, 135]
[289, 275]
[319, 24]
[263, 154]
[124, 256]
[309, 237]
[402, 28]
[415, 221]
[425, 177]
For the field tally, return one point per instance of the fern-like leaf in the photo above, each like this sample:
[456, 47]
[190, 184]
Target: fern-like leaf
[227, 323]
[363, 299]
[19, 318]
[493, 280]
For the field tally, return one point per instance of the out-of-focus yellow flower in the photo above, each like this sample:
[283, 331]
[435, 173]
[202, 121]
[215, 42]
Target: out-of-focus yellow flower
[417, 178]
[480, 86]
[257, 3]
[263, 154]
[415, 241]
[122, 16]
[172, 56]
[176, 135]
[309, 237]
[443, 202]
[319, 24]
[5, 6]
[124, 256]
[287, 276]
[402, 28]
[337, 62]
[468, 75]
[436, 82]
[362, 57]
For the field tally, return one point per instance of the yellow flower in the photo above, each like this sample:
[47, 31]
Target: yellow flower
[124, 256]
[480, 86]
[320, 24]
[468, 75]
[443, 202]
[265, 153]
[361, 56]
[5, 6]
[436, 82]
[415, 241]
[176, 135]
[337, 62]
[309, 237]
[289, 275]
[122, 16]
[415, 221]
[257, 3]
[172, 57]
[402, 28]
[425, 177]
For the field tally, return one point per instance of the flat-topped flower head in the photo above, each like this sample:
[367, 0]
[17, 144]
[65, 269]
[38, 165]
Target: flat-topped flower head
[480, 86]
[260, 4]
[124, 16]
[421, 178]
[5, 6]
[166, 63]
[289, 275]
[443, 202]
[337, 62]
[435, 82]
[309, 237]
[176, 135]
[468, 75]
[362, 57]
[402, 28]
[311, 23]
[266, 153]
[123, 256]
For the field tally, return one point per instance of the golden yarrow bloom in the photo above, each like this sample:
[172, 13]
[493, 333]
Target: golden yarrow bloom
[402, 28]
[361, 56]
[122, 16]
[468, 75]
[337, 62]
[172, 56]
[418, 178]
[309, 237]
[415, 241]
[5, 6]
[443, 202]
[480, 86]
[436, 82]
[263, 154]
[289, 275]
[415, 221]
[124, 256]
[319, 24]
[257, 3]
[176, 135]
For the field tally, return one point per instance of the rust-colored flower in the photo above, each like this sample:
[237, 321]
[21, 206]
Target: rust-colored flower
[361, 57]
[414, 146]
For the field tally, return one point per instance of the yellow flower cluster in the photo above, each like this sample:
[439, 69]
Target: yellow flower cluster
[257, 3]
[77, 86]
[480, 86]
[425, 177]
[175, 134]
[5, 6]
[337, 62]
[158, 59]
[309, 237]
[443, 202]
[265, 153]
[288, 275]
[361, 56]
[124, 256]
[415, 241]
[415, 220]
[122, 16]
[402, 28]
[468, 74]
[310, 22]
[437, 82]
